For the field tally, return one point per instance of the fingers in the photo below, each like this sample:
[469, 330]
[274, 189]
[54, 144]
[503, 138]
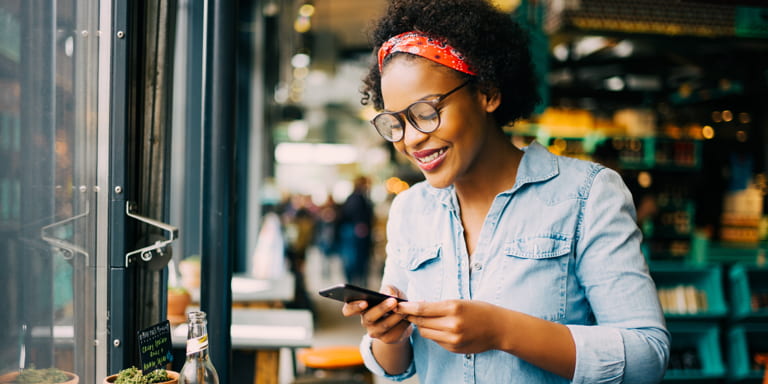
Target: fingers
[381, 324]
[374, 314]
[393, 291]
[357, 307]
[448, 316]
[354, 308]
[411, 308]
[436, 323]
[390, 290]
[429, 309]
[391, 329]
[381, 321]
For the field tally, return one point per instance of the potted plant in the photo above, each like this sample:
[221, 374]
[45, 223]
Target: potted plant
[189, 271]
[42, 376]
[133, 375]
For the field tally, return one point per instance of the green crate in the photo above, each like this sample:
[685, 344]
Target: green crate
[743, 341]
[751, 22]
[704, 339]
[732, 253]
[746, 280]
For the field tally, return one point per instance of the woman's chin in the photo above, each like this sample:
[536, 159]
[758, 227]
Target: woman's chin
[437, 182]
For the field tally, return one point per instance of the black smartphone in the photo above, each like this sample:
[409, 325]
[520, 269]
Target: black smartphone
[349, 292]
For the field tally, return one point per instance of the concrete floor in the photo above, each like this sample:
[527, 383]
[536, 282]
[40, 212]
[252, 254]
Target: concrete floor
[331, 328]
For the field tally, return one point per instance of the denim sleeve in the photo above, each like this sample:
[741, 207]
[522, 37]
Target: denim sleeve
[629, 342]
[373, 365]
[392, 276]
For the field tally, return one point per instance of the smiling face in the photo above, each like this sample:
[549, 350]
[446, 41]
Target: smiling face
[452, 153]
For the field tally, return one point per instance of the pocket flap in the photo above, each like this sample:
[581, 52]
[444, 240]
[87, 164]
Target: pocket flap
[540, 247]
[415, 257]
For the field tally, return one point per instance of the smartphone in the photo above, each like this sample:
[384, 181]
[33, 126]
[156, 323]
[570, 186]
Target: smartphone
[349, 292]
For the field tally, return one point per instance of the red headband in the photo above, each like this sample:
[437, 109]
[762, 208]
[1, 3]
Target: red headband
[427, 47]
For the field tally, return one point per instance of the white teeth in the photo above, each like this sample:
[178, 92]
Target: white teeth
[431, 157]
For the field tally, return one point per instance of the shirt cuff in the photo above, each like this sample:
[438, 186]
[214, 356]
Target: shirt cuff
[366, 350]
[599, 354]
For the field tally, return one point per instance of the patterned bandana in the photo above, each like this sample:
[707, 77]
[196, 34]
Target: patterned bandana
[427, 47]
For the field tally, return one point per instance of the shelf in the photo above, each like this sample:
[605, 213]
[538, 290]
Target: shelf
[743, 342]
[749, 291]
[634, 153]
[695, 352]
[747, 253]
[690, 292]
[661, 154]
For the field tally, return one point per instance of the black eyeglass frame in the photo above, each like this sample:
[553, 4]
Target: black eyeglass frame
[398, 115]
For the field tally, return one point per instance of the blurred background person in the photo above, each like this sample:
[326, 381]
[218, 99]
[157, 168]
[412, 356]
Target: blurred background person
[326, 232]
[355, 220]
[299, 223]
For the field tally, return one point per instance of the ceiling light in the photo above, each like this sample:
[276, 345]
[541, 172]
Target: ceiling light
[506, 6]
[297, 130]
[644, 179]
[307, 10]
[589, 45]
[614, 83]
[300, 60]
[302, 24]
[624, 48]
[271, 9]
[560, 52]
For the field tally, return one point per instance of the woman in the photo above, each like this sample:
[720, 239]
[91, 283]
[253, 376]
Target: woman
[519, 266]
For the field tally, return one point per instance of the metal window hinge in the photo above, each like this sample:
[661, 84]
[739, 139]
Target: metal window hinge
[160, 245]
[67, 249]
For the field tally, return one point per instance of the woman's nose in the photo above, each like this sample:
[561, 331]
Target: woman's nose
[411, 135]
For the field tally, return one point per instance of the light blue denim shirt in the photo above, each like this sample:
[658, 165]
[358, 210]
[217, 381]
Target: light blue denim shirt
[562, 245]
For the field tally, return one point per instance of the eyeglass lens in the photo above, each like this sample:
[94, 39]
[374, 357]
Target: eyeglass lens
[422, 115]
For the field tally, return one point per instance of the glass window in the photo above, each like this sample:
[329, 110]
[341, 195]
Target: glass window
[48, 186]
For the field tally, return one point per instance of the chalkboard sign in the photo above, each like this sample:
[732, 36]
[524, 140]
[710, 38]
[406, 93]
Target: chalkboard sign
[155, 346]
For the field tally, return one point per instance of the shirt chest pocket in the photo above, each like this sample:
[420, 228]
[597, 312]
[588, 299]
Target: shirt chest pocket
[425, 272]
[535, 275]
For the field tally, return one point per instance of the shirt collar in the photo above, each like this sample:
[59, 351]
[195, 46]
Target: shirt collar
[537, 164]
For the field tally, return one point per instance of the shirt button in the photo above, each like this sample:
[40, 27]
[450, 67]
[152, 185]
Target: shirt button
[477, 266]
[468, 356]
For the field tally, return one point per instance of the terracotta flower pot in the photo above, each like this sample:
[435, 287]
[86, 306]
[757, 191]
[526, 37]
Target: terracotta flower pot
[11, 378]
[173, 375]
[178, 300]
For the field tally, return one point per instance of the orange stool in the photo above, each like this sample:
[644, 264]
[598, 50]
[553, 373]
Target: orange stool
[762, 359]
[334, 364]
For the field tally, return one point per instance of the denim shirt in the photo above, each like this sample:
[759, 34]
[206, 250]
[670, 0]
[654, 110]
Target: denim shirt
[561, 245]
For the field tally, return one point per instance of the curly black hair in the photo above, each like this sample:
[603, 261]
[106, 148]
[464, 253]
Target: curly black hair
[493, 44]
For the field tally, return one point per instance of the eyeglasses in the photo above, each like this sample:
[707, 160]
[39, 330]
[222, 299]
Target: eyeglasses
[423, 115]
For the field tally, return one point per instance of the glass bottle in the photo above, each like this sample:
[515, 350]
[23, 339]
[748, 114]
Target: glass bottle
[198, 368]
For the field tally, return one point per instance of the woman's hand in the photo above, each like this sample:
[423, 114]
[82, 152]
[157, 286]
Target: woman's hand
[459, 326]
[380, 321]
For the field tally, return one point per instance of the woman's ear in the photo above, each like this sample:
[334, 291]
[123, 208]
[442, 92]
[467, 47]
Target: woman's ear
[491, 100]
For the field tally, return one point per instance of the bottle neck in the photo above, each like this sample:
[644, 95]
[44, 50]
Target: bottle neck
[197, 340]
